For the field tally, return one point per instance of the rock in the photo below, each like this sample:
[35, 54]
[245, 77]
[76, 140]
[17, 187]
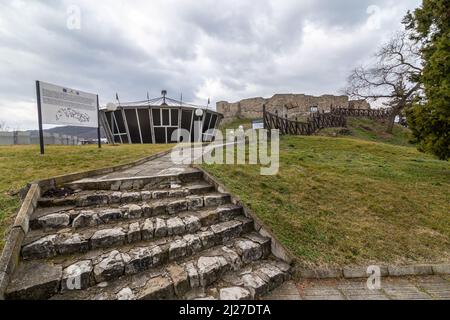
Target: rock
[110, 215]
[157, 288]
[208, 239]
[273, 276]
[160, 194]
[42, 248]
[209, 269]
[77, 276]
[177, 249]
[110, 267]
[249, 250]
[71, 244]
[125, 294]
[194, 202]
[107, 238]
[33, 281]
[194, 244]
[129, 197]
[191, 270]
[160, 228]
[86, 219]
[227, 230]
[175, 226]
[263, 241]
[134, 212]
[54, 221]
[232, 257]
[140, 260]
[255, 284]
[146, 195]
[115, 198]
[234, 293]
[134, 232]
[229, 212]
[176, 206]
[216, 200]
[179, 278]
[159, 255]
[208, 217]
[147, 210]
[192, 224]
[148, 230]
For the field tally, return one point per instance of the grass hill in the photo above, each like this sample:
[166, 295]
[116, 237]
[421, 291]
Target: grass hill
[364, 198]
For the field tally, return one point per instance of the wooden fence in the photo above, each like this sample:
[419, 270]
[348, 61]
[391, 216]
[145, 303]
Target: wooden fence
[377, 114]
[313, 123]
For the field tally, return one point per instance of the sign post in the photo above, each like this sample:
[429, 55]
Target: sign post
[64, 106]
[41, 133]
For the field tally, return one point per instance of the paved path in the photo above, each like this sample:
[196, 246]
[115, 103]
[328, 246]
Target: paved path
[410, 288]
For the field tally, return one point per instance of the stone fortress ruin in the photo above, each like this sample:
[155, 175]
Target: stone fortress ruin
[290, 105]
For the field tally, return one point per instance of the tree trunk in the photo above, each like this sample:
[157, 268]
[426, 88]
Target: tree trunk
[391, 121]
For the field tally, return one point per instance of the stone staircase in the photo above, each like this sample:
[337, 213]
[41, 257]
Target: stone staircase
[155, 237]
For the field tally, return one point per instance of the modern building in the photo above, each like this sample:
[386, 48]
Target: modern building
[154, 120]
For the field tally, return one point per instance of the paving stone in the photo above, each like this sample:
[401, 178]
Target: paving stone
[208, 239]
[249, 250]
[34, 280]
[179, 278]
[175, 226]
[158, 208]
[108, 215]
[177, 193]
[192, 224]
[115, 198]
[227, 230]
[176, 206]
[160, 228]
[147, 210]
[177, 249]
[264, 242]
[129, 197]
[437, 287]
[146, 195]
[209, 269]
[322, 293]
[134, 212]
[157, 288]
[401, 291]
[86, 219]
[194, 244]
[160, 194]
[273, 276]
[232, 257]
[216, 200]
[107, 238]
[208, 217]
[42, 248]
[287, 291]
[194, 202]
[134, 232]
[441, 268]
[229, 212]
[255, 284]
[192, 272]
[125, 294]
[148, 230]
[410, 270]
[77, 276]
[54, 221]
[73, 243]
[111, 267]
[140, 260]
[234, 293]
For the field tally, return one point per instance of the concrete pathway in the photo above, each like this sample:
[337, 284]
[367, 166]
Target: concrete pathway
[408, 288]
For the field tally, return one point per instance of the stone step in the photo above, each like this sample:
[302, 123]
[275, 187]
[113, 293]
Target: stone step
[134, 183]
[41, 244]
[77, 218]
[88, 198]
[159, 270]
[252, 281]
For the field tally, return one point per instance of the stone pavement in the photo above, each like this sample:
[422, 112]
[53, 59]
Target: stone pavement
[404, 288]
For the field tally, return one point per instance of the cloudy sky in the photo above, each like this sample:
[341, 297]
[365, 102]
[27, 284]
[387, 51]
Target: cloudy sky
[226, 50]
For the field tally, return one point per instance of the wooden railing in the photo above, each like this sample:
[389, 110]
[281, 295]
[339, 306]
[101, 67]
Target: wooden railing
[313, 123]
[379, 114]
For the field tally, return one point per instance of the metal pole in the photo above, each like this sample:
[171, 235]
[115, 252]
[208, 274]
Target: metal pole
[98, 125]
[41, 133]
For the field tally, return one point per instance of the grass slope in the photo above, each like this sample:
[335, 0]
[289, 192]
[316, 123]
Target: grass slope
[22, 164]
[350, 202]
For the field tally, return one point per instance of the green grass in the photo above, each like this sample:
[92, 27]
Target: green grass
[20, 165]
[344, 201]
[370, 130]
[246, 123]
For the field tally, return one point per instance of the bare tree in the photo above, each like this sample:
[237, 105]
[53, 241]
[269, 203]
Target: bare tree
[392, 78]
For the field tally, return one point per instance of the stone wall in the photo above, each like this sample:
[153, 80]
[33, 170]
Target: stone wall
[291, 105]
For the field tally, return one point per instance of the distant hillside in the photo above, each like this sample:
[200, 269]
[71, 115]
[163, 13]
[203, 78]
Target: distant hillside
[81, 132]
